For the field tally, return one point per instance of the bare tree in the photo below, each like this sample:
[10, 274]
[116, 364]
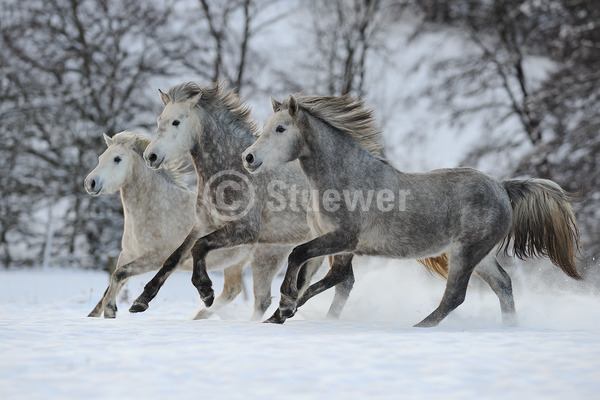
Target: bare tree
[558, 118]
[72, 69]
[230, 27]
[345, 32]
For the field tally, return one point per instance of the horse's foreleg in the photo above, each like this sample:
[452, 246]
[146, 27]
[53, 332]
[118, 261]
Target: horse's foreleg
[151, 289]
[232, 286]
[340, 274]
[121, 275]
[342, 289]
[266, 262]
[330, 243]
[233, 234]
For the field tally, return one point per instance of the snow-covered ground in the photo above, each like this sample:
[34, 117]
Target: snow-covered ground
[50, 350]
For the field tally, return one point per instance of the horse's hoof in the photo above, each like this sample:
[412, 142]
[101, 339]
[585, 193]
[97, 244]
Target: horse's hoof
[288, 312]
[110, 311]
[138, 306]
[426, 324]
[208, 300]
[276, 318]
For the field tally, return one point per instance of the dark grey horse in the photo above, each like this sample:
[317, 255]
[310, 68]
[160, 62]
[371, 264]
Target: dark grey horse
[214, 127]
[365, 206]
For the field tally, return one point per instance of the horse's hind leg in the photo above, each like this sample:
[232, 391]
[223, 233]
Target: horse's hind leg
[494, 275]
[232, 286]
[463, 260]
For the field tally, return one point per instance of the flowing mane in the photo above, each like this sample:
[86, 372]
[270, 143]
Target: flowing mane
[175, 172]
[346, 114]
[217, 98]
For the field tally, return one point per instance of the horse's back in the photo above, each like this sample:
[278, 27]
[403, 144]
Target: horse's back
[436, 209]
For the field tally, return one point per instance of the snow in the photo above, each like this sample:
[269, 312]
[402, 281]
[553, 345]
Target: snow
[50, 350]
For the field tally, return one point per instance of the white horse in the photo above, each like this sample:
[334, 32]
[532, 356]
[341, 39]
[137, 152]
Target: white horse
[145, 245]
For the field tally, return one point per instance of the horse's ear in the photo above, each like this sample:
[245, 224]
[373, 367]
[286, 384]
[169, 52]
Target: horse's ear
[276, 105]
[293, 106]
[163, 97]
[195, 98]
[109, 141]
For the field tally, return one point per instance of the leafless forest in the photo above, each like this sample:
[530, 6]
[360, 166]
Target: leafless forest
[73, 69]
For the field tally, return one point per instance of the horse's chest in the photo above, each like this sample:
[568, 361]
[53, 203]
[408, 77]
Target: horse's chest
[320, 224]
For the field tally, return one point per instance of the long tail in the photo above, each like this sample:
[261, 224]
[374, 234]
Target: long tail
[543, 223]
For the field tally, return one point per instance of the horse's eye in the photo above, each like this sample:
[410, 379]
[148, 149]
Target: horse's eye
[117, 159]
[176, 122]
[280, 129]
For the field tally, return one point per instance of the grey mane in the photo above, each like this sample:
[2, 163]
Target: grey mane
[175, 172]
[217, 99]
[346, 114]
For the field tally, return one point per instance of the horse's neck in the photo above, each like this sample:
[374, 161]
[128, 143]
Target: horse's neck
[144, 190]
[219, 150]
[330, 153]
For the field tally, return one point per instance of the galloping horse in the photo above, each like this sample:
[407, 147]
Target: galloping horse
[214, 127]
[147, 243]
[365, 206]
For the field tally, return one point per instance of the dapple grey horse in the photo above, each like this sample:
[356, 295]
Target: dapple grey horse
[365, 206]
[214, 127]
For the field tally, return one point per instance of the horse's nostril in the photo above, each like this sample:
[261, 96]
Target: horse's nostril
[93, 184]
[249, 158]
[152, 157]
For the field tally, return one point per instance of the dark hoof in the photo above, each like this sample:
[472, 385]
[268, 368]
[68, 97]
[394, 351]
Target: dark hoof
[288, 312]
[276, 318]
[208, 300]
[138, 306]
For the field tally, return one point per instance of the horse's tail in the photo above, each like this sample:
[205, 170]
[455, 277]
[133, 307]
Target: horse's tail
[543, 223]
[437, 265]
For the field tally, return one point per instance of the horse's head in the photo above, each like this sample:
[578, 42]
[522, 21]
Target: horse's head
[113, 169]
[176, 127]
[281, 140]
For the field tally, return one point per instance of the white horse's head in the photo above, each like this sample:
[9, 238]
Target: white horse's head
[113, 170]
[175, 132]
[281, 140]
